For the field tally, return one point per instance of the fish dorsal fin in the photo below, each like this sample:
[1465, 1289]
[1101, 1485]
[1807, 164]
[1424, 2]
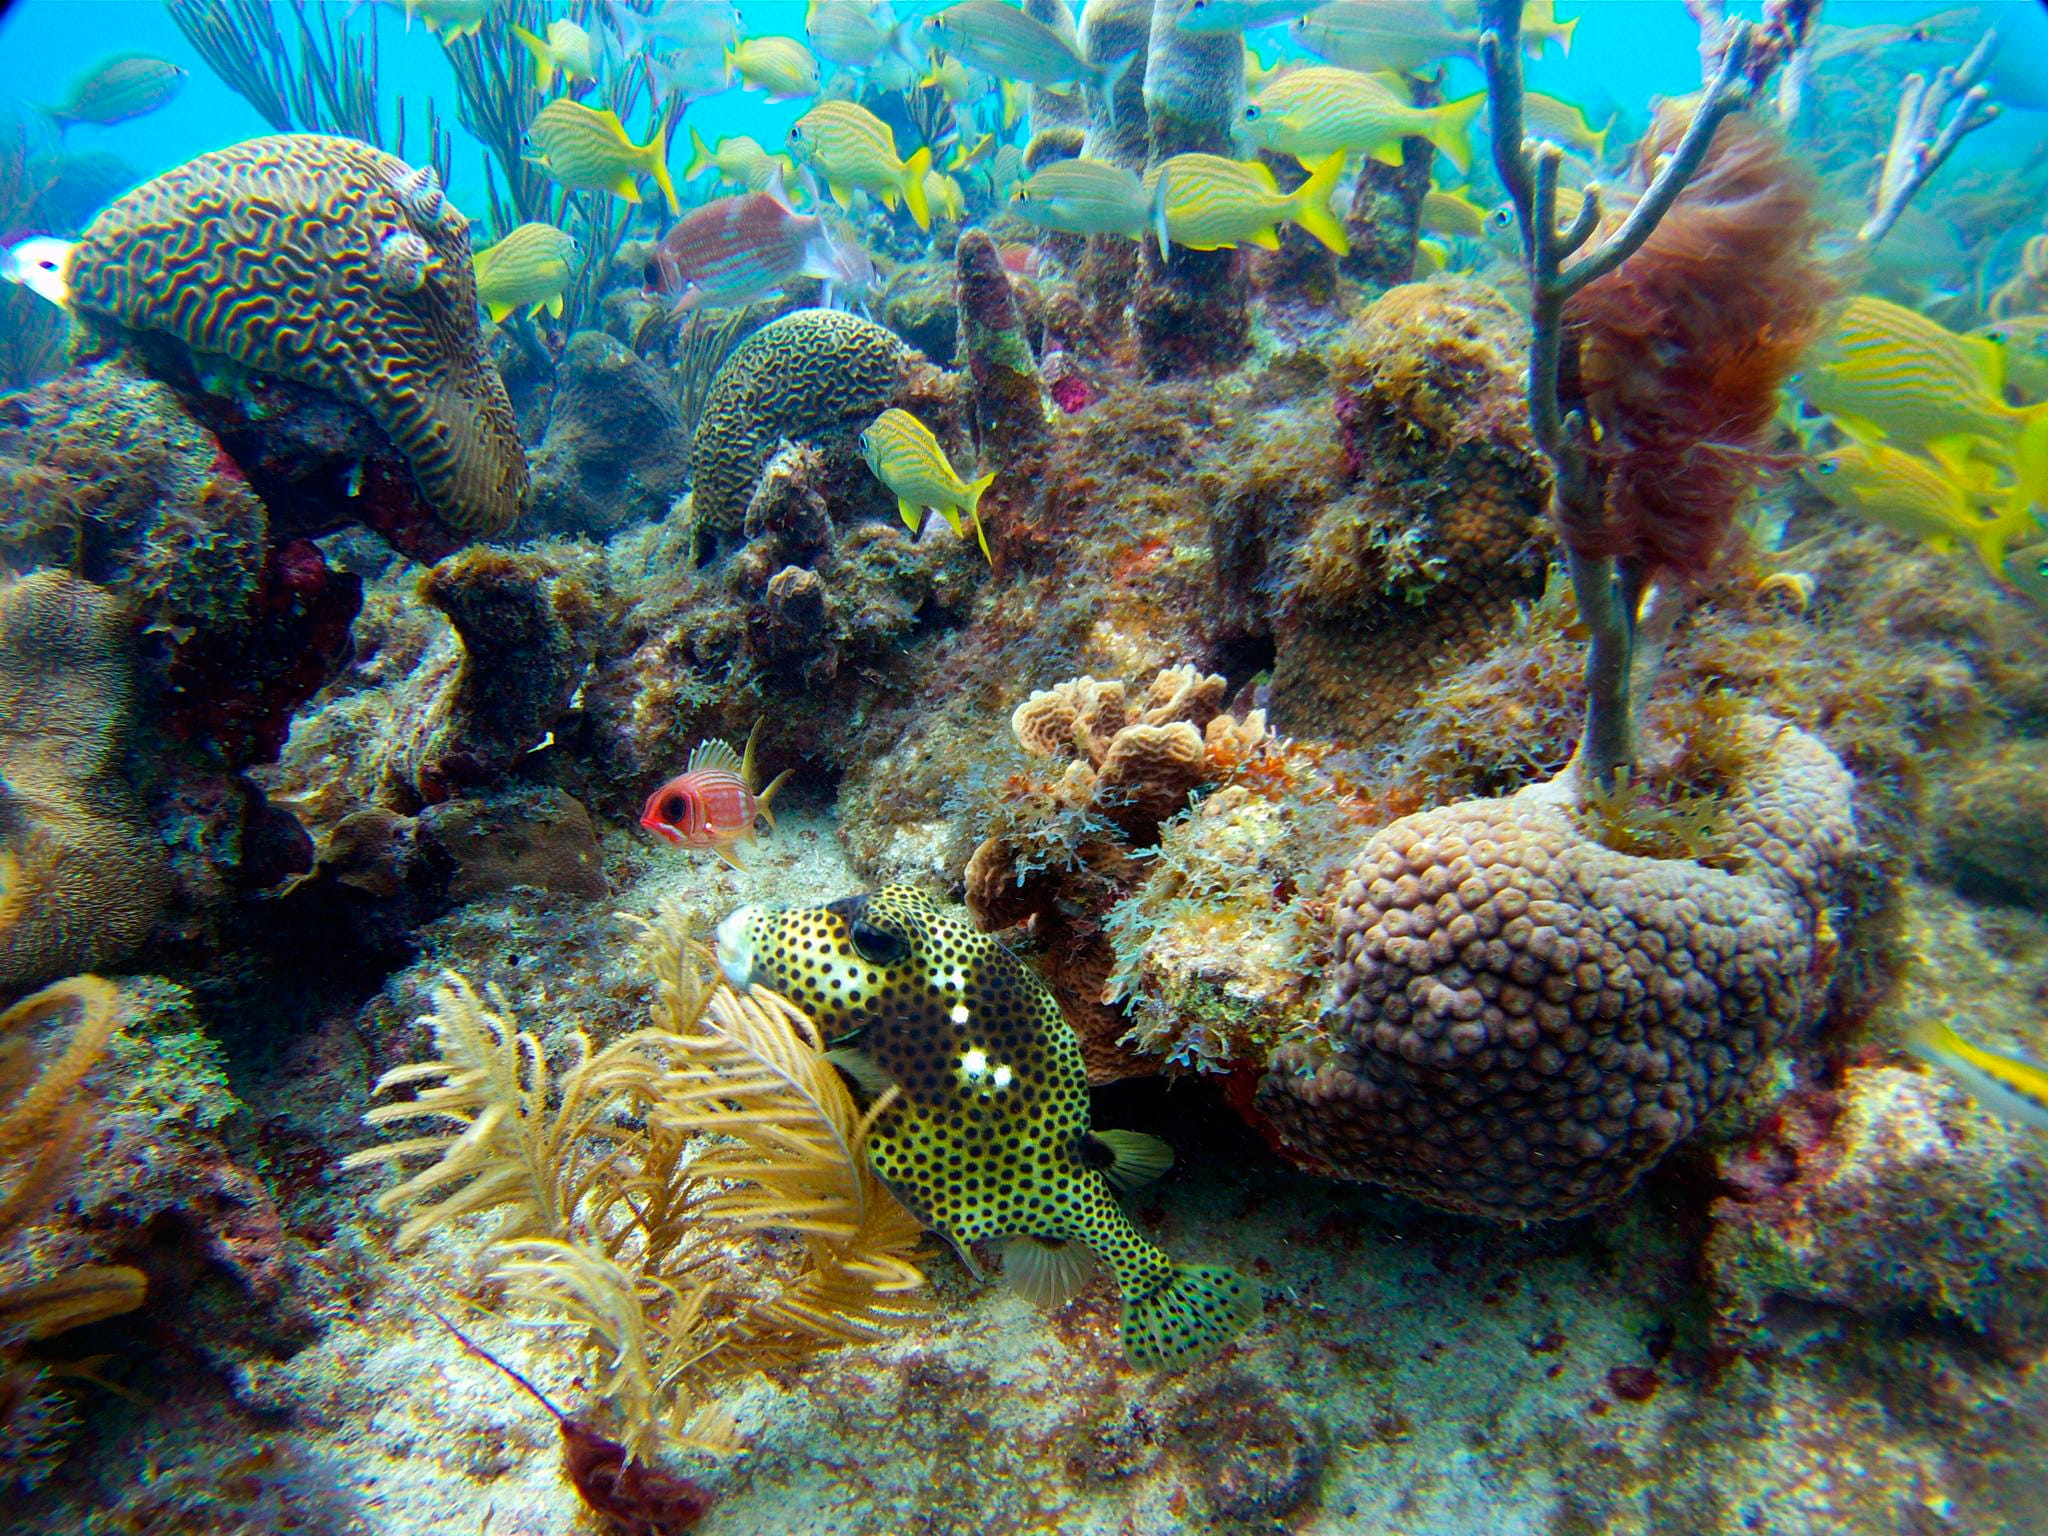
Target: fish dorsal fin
[710, 755]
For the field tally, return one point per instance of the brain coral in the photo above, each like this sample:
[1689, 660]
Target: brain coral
[1521, 1022]
[324, 261]
[811, 374]
[82, 877]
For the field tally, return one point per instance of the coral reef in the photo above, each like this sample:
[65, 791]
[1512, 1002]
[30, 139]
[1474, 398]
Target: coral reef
[818, 377]
[1522, 1021]
[1386, 206]
[83, 878]
[1421, 568]
[330, 263]
[1063, 848]
[615, 452]
[1987, 818]
[1009, 410]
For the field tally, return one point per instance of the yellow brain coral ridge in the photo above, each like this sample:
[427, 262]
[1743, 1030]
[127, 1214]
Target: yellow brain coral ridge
[1521, 1021]
[330, 263]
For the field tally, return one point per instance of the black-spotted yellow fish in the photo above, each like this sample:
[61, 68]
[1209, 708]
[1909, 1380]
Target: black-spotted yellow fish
[565, 51]
[1208, 203]
[1082, 197]
[591, 151]
[2009, 1086]
[982, 1126]
[852, 148]
[907, 458]
[117, 89]
[529, 269]
[1308, 113]
[781, 68]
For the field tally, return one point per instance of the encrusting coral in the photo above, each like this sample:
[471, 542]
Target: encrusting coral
[44, 1123]
[616, 449]
[82, 874]
[1521, 1021]
[694, 1197]
[330, 263]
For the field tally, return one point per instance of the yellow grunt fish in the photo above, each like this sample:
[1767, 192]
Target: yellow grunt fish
[2024, 341]
[852, 148]
[1208, 203]
[1452, 213]
[1082, 197]
[529, 269]
[952, 79]
[449, 19]
[905, 457]
[781, 67]
[845, 31]
[1943, 503]
[565, 51]
[738, 160]
[1562, 123]
[1367, 35]
[1313, 111]
[1208, 18]
[944, 196]
[2008, 1086]
[589, 151]
[1013, 46]
[981, 1116]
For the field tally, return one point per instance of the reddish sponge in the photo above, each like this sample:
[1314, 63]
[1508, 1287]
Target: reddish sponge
[1522, 1022]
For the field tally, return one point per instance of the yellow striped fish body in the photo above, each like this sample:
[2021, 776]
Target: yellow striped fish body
[1082, 197]
[1010, 45]
[953, 79]
[2027, 571]
[2024, 340]
[739, 160]
[1312, 112]
[781, 67]
[853, 149]
[1208, 203]
[590, 151]
[1452, 213]
[1890, 371]
[906, 458]
[2008, 1086]
[118, 89]
[527, 269]
[565, 51]
[1562, 123]
[1945, 504]
[944, 196]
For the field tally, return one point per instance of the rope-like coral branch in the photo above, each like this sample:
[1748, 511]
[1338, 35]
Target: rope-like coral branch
[1610, 592]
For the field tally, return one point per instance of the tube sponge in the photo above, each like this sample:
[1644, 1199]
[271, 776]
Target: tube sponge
[1684, 346]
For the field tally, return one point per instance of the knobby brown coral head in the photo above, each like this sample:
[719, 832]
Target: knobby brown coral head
[1684, 347]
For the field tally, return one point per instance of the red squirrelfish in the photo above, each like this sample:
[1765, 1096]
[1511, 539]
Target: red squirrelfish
[735, 250]
[712, 803]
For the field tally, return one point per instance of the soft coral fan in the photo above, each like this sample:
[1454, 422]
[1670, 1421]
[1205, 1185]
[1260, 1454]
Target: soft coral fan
[694, 1197]
[1684, 347]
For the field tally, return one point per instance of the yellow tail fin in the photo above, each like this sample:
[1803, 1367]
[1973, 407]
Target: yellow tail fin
[543, 61]
[1312, 204]
[700, 157]
[914, 170]
[657, 167]
[974, 492]
[1450, 129]
[1199, 1309]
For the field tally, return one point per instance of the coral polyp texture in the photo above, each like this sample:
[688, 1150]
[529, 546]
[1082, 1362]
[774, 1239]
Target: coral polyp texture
[321, 260]
[82, 876]
[1521, 1022]
[817, 376]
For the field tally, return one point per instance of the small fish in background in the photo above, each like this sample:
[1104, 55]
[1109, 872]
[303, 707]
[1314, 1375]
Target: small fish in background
[2011, 1087]
[1563, 123]
[966, 156]
[849, 32]
[1446, 212]
[739, 161]
[2024, 340]
[1083, 197]
[1210, 18]
[1311, 112]
[681, 78]
[781, 68]
[907, 458]
[565, 51]
[712, 804]
[1945, 503]
[1016, 102]
[589, 150]
[117, 89]
[1005, 168]
[737, 250]
[449, 20]
[1539, 23]
[529, 269]
[38, 264]
[944, 197]
[1010, 45]
[856, 151]
[1401, 35]
[1209, 203]
[952, 79]
[676, 26]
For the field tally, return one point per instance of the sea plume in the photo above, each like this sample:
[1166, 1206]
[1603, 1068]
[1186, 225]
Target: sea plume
[1683, 349]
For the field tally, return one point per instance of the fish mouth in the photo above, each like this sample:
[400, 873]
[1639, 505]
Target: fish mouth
[735, 946]
[663, 830]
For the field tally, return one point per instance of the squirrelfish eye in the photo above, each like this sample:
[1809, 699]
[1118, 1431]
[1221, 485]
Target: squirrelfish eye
[673, 807]
[877, 946]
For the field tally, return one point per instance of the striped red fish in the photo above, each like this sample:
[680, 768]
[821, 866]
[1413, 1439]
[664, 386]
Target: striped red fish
[735, 250]
[712, 803]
